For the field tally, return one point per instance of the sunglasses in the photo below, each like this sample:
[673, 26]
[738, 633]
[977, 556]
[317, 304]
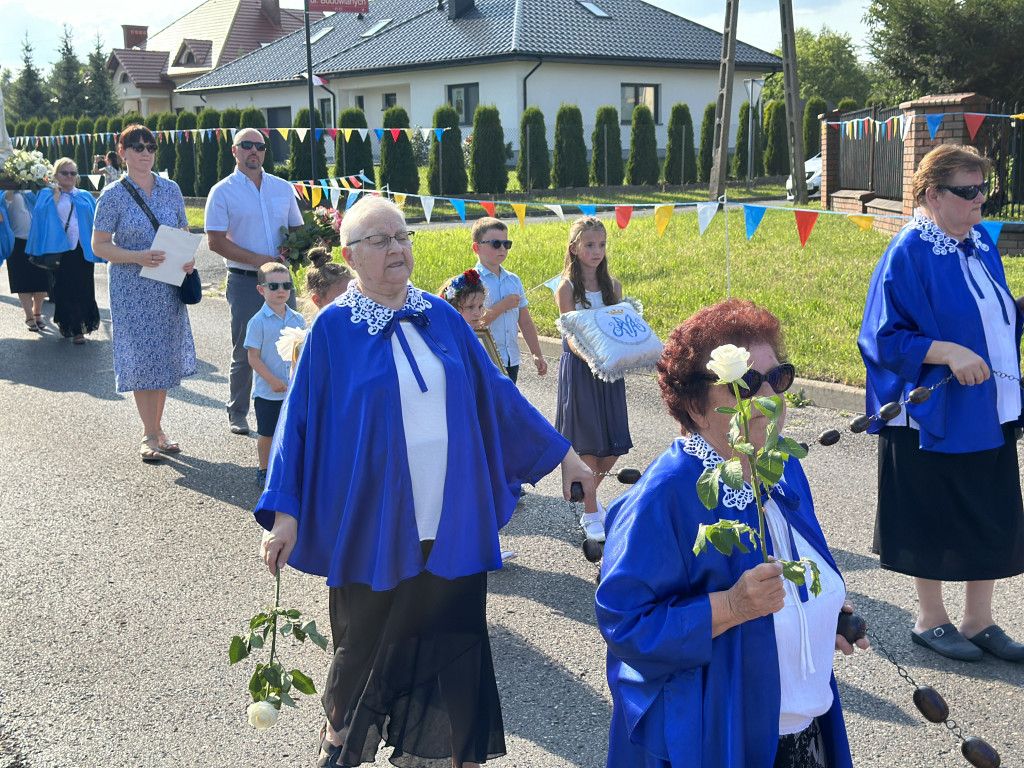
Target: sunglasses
[968, 192]
[286, 286]
[68, 173]
[779, 379]
[140, 147]
[496, 244]
[259, 146]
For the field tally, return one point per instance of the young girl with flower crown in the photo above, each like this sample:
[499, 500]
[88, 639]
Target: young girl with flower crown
[591, 413]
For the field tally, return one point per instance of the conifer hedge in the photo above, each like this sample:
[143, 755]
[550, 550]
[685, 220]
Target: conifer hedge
[569, 159]
[165, 154]
[84, 148]
[643, 166]
[812, 126]
[229, 118]
[606, 148]
[776, 145]
[300, 167]
[446, 169]
[707, 140]
[534, 167]
[398, 171]
[253, 118]
[207, 151]
[356, 154]
[487, 171]
[680, 158]
[185, 156]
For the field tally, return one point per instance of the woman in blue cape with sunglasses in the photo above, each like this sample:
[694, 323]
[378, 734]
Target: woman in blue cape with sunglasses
[714, 660]
[939, 314]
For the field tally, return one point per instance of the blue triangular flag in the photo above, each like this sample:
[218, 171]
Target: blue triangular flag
[588, 210]
[317, 133]
[379, 133]
[459, 206]
[553, 282]
[363, 177]
[439, 132]
[752, 215]
[353, 195]
[934, 121]
[994, 229]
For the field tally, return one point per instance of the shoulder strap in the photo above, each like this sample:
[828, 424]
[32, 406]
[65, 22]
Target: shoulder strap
[142, 203]
[71, 209]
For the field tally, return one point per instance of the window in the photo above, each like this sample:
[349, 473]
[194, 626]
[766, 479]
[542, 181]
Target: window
[595, 9]
[326, 113]
[124, 77]
[390, 100]
[635, 94]
[376, 28]
[319, 33]
[359, 104]
[463, 99]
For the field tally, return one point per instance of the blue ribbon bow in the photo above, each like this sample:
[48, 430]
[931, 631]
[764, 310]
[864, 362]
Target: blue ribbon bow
[970, 251]
[394, 325]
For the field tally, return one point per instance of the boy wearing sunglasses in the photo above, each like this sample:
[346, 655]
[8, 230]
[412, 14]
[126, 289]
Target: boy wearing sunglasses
[505, 313]
[270, 371]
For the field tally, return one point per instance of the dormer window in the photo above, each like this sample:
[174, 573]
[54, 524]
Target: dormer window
[320, 33]
[376, 28]
[595, 9]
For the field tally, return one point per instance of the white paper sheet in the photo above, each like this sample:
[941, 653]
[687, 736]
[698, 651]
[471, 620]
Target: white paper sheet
[179, 249]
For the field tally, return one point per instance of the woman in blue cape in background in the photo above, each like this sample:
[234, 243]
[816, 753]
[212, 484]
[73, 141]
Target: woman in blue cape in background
[399, 454]
[714, 660]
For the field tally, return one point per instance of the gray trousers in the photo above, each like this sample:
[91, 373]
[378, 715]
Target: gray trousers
[244, 301]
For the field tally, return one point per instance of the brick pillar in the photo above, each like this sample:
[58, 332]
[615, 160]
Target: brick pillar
[829, 159]
[919, 142]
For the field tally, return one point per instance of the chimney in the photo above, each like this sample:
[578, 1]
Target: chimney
[135, 36]
[272, 10]
[457, 8]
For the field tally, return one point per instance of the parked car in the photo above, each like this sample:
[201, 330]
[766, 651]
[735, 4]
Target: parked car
[812, 170]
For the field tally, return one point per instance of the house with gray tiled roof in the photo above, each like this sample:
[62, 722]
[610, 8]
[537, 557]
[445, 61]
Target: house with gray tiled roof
[149, 67]
[420, 54]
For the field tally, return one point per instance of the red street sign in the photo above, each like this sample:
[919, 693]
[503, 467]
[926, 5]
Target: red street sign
[340, 6]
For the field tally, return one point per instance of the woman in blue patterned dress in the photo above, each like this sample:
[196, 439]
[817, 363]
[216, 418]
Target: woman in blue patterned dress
[153, 347]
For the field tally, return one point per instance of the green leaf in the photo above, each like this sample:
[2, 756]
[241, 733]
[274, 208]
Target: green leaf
[734, 429]
[298, 634]
[707, 486]
[745, 448]
[770, 465]
[303, 683]
[256, 684]
[272, 674]
[726, 409]
[771, 438]
[275, 699]
[319, 640]
[286, 628]
[293, 613]
[701, 543]
[791, 447]
[255, 641]
[796, 572]
[286, 682]
[258, 620]
[769, 406]
[237, 651]
[732, 474]
[726, 535]
[287, 700]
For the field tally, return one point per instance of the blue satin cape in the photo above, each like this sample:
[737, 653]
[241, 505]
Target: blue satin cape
[679, 697]
[918, 296]
[339, 464]
[47, 233]
[6, 233]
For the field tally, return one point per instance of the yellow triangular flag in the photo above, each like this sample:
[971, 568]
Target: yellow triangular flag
[400, 200]
[520, 209]
[284, 133]
[347, 133]
[316, 195]
[408, 133]
[864, 222]
[662, 214]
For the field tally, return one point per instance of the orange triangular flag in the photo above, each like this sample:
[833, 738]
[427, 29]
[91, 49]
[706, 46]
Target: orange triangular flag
[804, 224]
[520, 209]
[864, 222]
[622, 214]
[489, 207]
[301, 189]
[974, 121]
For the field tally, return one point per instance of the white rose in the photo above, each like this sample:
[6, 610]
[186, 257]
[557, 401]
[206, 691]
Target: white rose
[729, 362]
[262, 715]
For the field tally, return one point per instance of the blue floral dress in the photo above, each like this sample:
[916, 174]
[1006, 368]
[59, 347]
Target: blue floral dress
[153, 347]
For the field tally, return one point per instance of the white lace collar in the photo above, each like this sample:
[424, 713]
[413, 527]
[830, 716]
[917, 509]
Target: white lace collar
[376, 316]
[695, 445]
[941, 242]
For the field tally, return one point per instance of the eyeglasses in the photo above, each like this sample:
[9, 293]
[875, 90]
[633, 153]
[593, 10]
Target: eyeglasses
[139, 147]
[259, 146]
[383, 241]
[286, 286]
[68, 173]
[496, 244]
[968, 192]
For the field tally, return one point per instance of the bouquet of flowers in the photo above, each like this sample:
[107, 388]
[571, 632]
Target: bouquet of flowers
[319, 227]
[26, 170]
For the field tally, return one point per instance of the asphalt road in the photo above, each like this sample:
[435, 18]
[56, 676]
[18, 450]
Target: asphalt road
[121, 584]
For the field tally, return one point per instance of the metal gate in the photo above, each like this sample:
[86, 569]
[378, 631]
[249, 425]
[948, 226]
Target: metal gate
[871, 152]
[1001, 138]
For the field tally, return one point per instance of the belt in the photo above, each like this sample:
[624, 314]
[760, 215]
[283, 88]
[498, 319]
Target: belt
[245, 272]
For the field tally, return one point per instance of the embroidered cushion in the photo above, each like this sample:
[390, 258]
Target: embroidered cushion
[613, 340]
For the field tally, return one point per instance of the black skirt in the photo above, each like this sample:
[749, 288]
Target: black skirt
[74, 295]
[948, 516]
[22, 274]
[412, 667]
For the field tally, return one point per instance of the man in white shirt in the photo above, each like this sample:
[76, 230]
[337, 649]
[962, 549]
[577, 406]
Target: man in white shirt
[245, 215]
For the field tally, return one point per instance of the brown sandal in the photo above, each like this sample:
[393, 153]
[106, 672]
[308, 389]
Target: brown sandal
[147, 453]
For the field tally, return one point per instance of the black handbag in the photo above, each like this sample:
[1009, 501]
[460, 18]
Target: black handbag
[191, 289]
[51, 261]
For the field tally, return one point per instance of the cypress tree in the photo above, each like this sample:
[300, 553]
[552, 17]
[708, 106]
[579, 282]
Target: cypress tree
[68, 129]
[253, 118]
[776, 146]
[84, 147]
[185, 159]
[643, 167]
[114, 125]
[487, 171]
[707, 140]
[207, 151]
[446, 171]
[19, 128]
[166, 157]
[229, 118]
[66, 85]
[606, 142]
[40, 128]
[153, 120]
[569, 159]
[300, 167]
[739, 158]
[398, 171]
[103, 142]
[680, 157]
[533, 151]
[354, 155]
[812, 126]
[32, 127]
[28, 96]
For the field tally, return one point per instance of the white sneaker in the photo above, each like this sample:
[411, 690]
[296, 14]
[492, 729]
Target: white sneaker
[593, 526]
[507, 554]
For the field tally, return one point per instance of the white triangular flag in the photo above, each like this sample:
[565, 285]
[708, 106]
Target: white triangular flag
[335, 195]
[95, 179]
[425, 133]
[363, 132]
[557, 210]
[302, 133]
[428, 207]
[553, 282]
[705, 213]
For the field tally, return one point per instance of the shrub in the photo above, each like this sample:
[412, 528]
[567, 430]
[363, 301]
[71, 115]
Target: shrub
[739, 158]
[534, 167]
[397, 170]
[165, 154]
[102, 146]
[776, 145]
[153, 120]
[812, 126]
[606, 148]
[845, 105]
[207, 151]
[569, 159]
[487, 172]
[253, 118]
[115, 125]
[707, 141]
[356, 154]
[680, 157]
[643, 167]
[446, 169]
[84, 149]
[185, 159]
[300, 164]
[229, 118]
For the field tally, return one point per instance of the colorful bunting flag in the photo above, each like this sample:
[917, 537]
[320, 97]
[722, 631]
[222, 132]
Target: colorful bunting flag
[804, 224]
[974, 121]
[315, 195]
[752, 215]
[553, 282]
[588, 210]
[994, 229]
[428, 207]
[622, 215]
[662, 214]
[459, 206]
[352, 197]
[488, 206]
[400, 200]
[379, 132]
[864, 222]
[934, 121]
[520, 211]
[439, 133]
[557, 210]
[301, 132]
[705, 213]
[395, 133]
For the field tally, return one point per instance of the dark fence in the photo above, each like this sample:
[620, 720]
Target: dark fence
[1001, 139]
[872, 158]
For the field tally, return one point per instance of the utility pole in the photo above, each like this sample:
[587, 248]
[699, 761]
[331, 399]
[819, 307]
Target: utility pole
[723, 106]
[794, 125]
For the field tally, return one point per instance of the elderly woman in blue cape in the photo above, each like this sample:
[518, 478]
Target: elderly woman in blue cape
[399, 454]
[714, 660]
